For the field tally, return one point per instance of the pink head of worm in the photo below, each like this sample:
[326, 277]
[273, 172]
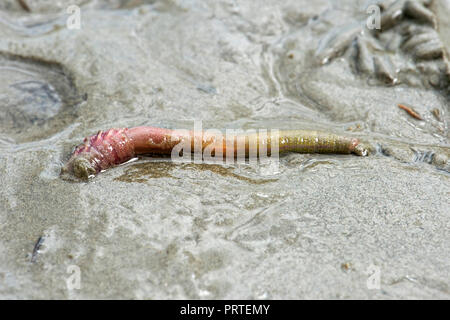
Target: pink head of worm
[99, 152]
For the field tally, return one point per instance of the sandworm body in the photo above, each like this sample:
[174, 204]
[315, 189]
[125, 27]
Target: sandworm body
[116, 146]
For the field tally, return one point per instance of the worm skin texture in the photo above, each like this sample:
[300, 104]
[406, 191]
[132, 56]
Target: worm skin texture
[115, 146]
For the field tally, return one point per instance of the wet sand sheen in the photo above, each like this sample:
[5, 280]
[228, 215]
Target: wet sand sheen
[159, 230]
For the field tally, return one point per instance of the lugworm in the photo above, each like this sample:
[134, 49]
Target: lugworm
[116, 146]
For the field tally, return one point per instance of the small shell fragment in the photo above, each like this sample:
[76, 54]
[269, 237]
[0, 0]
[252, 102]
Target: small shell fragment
[410, 111]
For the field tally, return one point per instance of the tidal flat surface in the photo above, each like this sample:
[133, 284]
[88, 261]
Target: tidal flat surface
[307, 226]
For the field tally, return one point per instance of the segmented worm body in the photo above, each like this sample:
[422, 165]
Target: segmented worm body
[116, 146]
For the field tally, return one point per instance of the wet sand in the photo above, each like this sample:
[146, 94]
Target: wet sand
[319, 226]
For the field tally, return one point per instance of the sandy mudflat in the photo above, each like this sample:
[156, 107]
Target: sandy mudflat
[312, 226]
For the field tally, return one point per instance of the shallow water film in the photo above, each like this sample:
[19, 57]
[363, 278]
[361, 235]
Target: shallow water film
[321, 226]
